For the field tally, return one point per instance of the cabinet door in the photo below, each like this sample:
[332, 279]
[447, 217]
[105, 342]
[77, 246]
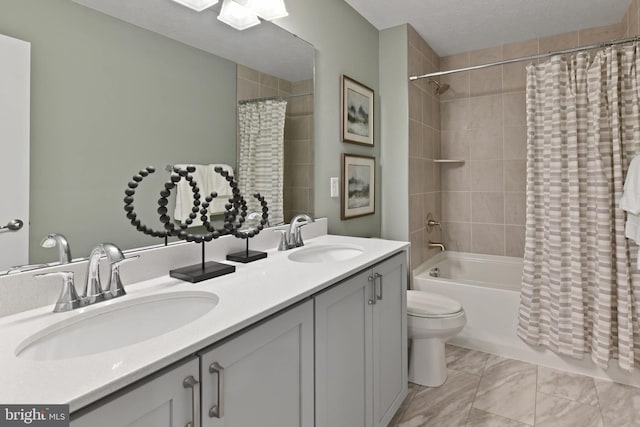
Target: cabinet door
[389, 338]
[343, 354]
[263, 377]
[162, 402]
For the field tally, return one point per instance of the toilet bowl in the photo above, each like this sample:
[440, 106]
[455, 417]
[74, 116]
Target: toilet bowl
[432, 320]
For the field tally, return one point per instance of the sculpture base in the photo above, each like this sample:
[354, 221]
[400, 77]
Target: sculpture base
[198, 272]
[246, 256]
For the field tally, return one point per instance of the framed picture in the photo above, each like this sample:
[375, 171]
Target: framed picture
[356, 120]
[358, 186]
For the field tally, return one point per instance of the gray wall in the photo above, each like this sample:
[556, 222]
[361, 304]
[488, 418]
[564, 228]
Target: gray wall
[395, 129]
[345, 44]
[107, 99]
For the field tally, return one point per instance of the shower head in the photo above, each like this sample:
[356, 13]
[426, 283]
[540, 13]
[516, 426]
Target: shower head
[440, 87]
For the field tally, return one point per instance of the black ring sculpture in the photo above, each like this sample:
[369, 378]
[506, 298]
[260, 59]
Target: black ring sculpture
[234, 216]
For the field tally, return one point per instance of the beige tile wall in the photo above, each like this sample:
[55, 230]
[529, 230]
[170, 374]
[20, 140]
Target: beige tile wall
[483, 122]
[424, 146]
[298, 133]
[630, 25]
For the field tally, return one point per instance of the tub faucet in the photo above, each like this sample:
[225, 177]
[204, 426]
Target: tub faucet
[437, 245]
[56, 239]
[292, 238]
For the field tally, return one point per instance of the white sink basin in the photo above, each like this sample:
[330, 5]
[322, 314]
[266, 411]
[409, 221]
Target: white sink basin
[326, 253]
[119, 324]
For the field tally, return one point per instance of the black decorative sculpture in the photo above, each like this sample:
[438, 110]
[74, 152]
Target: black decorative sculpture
[234, 218]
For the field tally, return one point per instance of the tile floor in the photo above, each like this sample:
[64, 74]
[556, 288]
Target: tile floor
[484, 390]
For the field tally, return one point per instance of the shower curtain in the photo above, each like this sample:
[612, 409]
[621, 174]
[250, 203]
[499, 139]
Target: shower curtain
[581, 284]
[261, 155]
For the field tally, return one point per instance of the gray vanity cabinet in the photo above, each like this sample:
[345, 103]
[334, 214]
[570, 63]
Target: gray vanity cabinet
[263, 377]
[361, 351]
[170, 399]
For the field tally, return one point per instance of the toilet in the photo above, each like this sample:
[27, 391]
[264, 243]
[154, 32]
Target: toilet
[432, 320]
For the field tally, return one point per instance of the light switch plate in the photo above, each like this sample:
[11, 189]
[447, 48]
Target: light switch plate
[335, 186]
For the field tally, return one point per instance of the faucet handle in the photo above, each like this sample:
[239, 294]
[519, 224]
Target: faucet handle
[115, 288]
[68, 299]
[284, 240]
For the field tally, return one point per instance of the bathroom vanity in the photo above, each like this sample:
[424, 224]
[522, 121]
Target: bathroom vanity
[310, 336]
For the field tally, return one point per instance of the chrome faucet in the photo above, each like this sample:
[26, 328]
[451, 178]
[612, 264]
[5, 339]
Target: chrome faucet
[68, 299]
[437, 245]
[56, 239]
[292, 238]
[93, 291]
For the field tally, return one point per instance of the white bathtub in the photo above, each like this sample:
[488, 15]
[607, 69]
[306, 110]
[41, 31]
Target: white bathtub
[488, 287]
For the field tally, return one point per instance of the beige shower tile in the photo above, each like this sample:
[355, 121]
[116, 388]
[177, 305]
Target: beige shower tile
[459, 60]
[415, 139]
[429, 139]
[578, 388]
[514, 77]
[415, 67]
[458, 85]
[428, 185]
[302, 86]
[485, 111]
[599, 34]
[413, 37]
[437, 176]
[428, 109]
[485, 56]
[633, 18]
[456, 235]
[486, 175]
[515, 142]
[447, 405]
[416, 176]
[508, 389]
[267, 91]
[553, 411]
[486, 144]
[455, 177]
[416, 216]
[514, 240]
[487, 81]
[298, 152]
[284, 87]
[515, 175]
[515, 207]
[247, 73]
[417, 243]
[515, 113]
[455, 144]
[247, 90]
[436, 112]
[456, 206]
[520, 49]
[488, 239]
[268, 80]
[454, 114]
[559, 42]
[487, 207]
[415, 102]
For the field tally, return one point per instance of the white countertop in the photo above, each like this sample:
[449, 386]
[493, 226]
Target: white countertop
[255, 291]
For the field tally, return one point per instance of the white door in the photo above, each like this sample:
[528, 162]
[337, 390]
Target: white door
[15, 79]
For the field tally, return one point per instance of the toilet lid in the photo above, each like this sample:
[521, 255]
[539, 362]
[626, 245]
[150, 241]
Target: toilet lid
[425, 304]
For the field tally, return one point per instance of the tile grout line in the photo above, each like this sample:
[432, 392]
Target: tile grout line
[475, 395]
[595, 386]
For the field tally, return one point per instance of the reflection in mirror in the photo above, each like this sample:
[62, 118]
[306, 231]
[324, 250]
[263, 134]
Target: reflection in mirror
[109, 97]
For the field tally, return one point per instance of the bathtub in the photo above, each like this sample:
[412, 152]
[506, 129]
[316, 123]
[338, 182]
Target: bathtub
[488, 287]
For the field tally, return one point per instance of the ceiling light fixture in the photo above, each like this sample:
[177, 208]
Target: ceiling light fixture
[241, 14]
[237, 16]
[197, 5]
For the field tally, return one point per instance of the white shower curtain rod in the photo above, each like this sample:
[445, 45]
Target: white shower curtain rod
[528, 58]
[273, 98]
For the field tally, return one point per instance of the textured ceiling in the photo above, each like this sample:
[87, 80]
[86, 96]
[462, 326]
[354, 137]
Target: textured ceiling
[454, 26]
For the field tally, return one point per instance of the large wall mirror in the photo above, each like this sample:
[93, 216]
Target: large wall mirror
[117, 85]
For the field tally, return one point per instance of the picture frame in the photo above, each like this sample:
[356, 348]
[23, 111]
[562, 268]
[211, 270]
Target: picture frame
[358, 189]
[357, 112]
